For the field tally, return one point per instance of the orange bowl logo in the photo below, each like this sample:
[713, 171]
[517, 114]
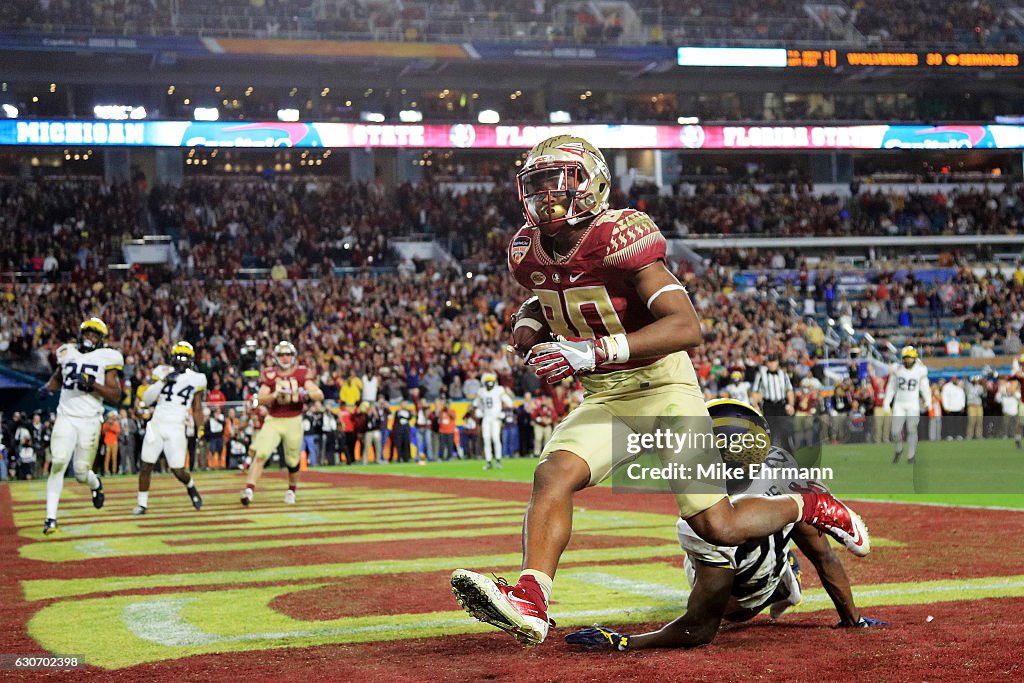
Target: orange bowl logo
[692, 137]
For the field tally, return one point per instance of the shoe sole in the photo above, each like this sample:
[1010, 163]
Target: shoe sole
[483, 601]
[862, 530]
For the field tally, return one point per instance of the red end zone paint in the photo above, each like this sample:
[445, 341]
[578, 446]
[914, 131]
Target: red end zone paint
[966, 641]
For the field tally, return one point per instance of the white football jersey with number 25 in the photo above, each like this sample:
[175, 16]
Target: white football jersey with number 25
[74, 402]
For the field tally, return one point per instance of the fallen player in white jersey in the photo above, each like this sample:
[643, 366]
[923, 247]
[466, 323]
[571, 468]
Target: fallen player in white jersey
[737, 583]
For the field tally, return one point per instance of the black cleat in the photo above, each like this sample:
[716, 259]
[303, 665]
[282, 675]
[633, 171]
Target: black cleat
[98, 496]
[197, 500]
[49, 527]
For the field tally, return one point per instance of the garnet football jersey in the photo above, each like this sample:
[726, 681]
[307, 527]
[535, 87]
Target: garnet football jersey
[587, 294]
[276, 381]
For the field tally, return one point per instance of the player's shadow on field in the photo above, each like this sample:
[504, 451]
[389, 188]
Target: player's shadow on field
[741, 626]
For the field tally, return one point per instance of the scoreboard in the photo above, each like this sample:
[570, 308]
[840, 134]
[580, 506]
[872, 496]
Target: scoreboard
[831, 59]
[827, 58]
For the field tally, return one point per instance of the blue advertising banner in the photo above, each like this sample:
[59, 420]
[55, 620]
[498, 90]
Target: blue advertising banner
[51, 42]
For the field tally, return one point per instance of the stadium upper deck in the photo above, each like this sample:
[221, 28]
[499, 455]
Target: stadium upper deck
[640, 22]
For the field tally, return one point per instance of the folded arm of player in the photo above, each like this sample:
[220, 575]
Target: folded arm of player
[110, 390]
[704, 611]
[832, 574]
[312, 391]
[264, 397]
[676, 328]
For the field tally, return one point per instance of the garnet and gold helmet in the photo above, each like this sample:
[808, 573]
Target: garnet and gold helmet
[285, 348]
[564, 180]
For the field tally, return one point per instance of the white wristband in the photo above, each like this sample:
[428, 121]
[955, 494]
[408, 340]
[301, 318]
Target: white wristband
[616, 349]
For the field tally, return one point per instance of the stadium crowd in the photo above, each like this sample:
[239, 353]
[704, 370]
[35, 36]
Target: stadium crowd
[67, 226]
[979, 24]
[424, 333]
[426, 337]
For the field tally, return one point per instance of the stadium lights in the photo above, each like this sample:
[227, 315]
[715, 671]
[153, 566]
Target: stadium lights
[206, 114]
[488, 116]
[410, 116]
[119, 112]
[560, 117]
[371, 116]
[10, 111]
[287, 114]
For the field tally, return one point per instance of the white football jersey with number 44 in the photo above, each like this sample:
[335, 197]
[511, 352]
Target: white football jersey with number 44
[74, 402]
[174, 400]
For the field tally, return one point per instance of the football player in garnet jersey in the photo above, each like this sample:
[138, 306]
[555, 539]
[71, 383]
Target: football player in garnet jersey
[283, 390]
[625, 323]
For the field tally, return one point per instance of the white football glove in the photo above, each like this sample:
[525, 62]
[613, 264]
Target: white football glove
[554, 361]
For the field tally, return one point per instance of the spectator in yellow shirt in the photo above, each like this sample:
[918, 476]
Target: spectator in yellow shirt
[351, 390]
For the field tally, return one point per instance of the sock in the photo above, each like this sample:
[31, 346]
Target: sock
[542, 579]
[191, 484]
[93, 481]
[144, 498]
[54, 485]
[799, 500]
[292, 487]
[251, 487]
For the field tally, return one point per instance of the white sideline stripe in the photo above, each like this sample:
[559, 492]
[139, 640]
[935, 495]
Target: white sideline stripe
[160, 621]
[643, 588]
[936, 505]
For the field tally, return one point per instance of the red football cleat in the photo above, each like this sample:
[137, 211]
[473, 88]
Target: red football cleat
[830, 515]
[518, 610]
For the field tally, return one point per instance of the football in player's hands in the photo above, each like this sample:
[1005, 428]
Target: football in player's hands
[529, 327]
[85, 382]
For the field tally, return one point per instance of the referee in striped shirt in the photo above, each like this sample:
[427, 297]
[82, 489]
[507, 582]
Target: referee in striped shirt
[775, 393]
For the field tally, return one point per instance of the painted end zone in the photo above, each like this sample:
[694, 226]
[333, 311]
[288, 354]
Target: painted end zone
[355, 578]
